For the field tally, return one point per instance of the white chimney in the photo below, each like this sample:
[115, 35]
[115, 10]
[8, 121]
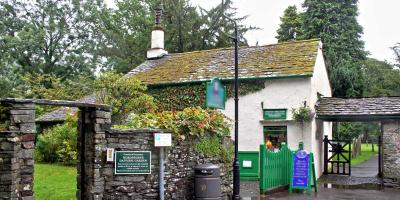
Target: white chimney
[157, 38]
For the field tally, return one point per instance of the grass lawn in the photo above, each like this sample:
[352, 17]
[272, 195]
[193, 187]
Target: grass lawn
[54, 182]
[366, 154]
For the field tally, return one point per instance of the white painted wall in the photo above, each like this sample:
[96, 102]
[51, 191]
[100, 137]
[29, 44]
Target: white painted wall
[319, 84]
[285, 93]
[278, 93]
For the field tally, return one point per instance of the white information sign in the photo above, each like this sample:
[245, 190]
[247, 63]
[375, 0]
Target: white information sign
[110, 154]
[246, 163]
[162, 139]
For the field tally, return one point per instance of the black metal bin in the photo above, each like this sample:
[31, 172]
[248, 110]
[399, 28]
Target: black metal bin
[207, 183]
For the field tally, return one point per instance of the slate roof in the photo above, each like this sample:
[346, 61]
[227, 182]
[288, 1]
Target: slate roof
[295, 58]
[59, 115]
[358, 109]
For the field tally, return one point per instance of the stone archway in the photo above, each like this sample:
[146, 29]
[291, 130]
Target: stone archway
[17, 147]
[386, 110]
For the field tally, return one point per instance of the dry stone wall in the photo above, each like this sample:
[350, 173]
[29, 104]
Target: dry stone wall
[16, 153]
[96, 178]
[180, 160]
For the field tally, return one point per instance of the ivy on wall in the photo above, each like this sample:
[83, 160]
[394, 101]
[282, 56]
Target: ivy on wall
[179, 97]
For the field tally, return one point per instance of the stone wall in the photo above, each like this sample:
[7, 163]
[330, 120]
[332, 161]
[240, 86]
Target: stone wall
[391, 152]
[17, 147]
[92, 126]
[96, 178]
[16, 153]
[180, 160]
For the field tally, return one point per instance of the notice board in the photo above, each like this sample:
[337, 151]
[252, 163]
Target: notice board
[132, 162]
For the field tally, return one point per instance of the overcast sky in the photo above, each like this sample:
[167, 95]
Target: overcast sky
[378, 18]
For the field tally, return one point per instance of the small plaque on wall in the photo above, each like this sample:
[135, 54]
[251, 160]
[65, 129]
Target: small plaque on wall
[110, 154]
[162, 139]
[132, 162]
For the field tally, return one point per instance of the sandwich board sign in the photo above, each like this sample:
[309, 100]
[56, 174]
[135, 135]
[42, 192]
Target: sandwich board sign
[215, 94]
[302, 172]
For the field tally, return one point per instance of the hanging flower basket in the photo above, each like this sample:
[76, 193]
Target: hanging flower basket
[302, 114]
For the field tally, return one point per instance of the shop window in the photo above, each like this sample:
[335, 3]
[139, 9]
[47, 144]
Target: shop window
[276, 135]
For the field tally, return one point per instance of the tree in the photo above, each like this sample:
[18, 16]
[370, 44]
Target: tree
[183, 26]
[49, 36]
[125, 95]
[45, 86]
[381, 79]
[217, 30]
[290, 27]
[335, 22]
[125, 34]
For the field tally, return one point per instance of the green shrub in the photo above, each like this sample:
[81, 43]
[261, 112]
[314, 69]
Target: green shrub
[125, 95]
[207, 126]
[190, 122]
[211, 146]
[58, 144]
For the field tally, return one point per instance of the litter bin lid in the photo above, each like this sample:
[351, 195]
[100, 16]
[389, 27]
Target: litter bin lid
[207, 166]
[206, 170]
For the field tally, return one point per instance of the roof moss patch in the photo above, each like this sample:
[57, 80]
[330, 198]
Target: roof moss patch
[283, 59]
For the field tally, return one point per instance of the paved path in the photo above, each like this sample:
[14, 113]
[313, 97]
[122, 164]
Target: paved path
[339, 194]
[363, 184]
[368, 168]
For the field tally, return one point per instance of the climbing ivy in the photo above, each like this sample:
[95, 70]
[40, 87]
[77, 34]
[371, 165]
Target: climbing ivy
[192, 95]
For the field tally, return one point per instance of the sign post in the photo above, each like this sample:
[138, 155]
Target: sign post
[162, 140]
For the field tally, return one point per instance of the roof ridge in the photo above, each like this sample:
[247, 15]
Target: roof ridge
[231, 48]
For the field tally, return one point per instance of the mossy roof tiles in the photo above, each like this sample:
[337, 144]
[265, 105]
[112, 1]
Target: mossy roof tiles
[358, 109]
[278, 60]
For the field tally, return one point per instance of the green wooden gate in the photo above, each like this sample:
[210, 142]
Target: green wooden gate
[274, 167]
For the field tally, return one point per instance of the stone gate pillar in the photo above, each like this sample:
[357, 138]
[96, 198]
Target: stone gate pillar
[391, 152]
[17, 150]
[92, 144]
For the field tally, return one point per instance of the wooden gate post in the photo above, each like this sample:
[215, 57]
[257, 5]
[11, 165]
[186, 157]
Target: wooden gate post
[326, 154]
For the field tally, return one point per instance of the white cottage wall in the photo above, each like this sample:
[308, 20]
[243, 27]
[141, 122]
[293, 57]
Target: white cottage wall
[319, 84]
[278, 93]
[285, 93]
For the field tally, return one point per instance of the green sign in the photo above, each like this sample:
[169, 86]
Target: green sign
[132, 162]
[274, 114]
[215, 94]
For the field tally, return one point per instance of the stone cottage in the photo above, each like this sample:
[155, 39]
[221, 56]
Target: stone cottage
[274, 79]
